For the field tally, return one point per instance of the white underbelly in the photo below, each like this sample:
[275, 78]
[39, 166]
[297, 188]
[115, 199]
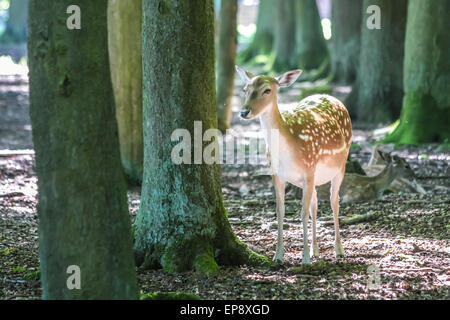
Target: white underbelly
[324, 174]
[286, 169]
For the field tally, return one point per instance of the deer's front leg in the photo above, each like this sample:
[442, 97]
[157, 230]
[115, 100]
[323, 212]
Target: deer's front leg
[308, 189]
[279, 192]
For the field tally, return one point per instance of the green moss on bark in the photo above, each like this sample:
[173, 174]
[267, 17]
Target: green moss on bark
[426, 105]
[421, 121]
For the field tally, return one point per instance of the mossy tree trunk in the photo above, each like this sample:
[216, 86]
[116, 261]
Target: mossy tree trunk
[181, 223]
[226, 56]
[263, 39]
[426, 105]
[310, 46]
[378, 91]
[124, 35]
[283, 57]
[345, 41]
[16, 26]
[83, 211]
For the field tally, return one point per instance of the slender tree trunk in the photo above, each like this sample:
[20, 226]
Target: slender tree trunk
[181, 223]
[83, 214]
[16, 27]
[226, 55]
[377, 95]
[345, 41]
[426, 105]
[263, 39]
[310, 45]
[124, 30]
[283, 55]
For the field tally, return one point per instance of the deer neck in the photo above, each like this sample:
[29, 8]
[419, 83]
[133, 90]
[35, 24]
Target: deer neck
[385, 177]
[271, 125]
[271, 118]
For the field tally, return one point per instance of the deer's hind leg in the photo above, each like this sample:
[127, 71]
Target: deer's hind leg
[279, 192]
[334, 201]
[313, 210]
[308, 190]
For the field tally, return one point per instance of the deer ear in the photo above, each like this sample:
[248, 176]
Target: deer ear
[245, 75]
[288, 78]
[385, 156]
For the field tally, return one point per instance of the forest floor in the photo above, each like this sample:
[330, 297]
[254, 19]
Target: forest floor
[404, 253]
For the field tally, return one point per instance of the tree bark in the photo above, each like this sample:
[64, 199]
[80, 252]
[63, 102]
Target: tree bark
[181, 223]
[226, 55]
[345, 41]
[83, 214]
[378, 92]
[426, 105]
[310, 46]
[263, 39]
[283, 55]
[124, 35]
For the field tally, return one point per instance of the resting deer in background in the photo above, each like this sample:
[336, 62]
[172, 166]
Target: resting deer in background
[312, 146]
[356, 187]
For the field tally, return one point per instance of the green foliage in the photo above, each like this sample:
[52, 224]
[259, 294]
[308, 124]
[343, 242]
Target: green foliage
[33, 275]
[9, 251]
[18, 269]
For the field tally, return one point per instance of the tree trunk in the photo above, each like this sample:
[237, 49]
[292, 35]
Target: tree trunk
[426, 105]
[16, 27]
[263, 39]
[124, 30]
[311, 48]
[378, 92]
[283, 55]
[181, 223]
[83, 214]
[226, 55]
[345, 41]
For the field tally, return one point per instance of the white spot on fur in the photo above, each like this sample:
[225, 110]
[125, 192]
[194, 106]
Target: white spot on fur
[304, 137]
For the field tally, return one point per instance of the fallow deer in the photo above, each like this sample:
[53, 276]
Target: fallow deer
[357, 188]
[310, 148]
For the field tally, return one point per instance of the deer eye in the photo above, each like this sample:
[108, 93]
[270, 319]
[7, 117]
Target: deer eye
[267, 91]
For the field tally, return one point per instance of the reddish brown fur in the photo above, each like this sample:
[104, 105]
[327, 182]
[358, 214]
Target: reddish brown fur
[320, 124]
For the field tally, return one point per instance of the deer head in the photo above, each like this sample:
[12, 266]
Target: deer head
[261, 91]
